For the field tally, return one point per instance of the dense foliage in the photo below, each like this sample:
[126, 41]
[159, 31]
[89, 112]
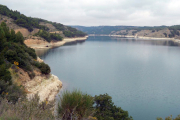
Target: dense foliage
[14, 54]
[49, 36]
[174, 30]
[72, 32]
[21, 19]
[106, 110]
[67, 30]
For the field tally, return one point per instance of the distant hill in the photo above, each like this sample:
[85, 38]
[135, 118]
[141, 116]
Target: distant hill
[145, 31]
[36, 26]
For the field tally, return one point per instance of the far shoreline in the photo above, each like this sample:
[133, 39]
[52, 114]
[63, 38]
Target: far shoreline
[138, 37]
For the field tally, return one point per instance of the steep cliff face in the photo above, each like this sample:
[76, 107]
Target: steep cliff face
[46, 86]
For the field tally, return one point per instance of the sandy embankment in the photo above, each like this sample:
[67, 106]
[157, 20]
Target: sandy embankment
[41, 44]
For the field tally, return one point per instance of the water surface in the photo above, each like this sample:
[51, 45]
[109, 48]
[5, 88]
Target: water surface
[143, 77]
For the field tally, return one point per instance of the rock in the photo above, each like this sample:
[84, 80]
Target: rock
[46, 88]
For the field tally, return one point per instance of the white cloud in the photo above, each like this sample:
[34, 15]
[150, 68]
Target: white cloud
[101, 12]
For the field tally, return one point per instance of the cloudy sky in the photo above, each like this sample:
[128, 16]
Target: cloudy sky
[101, 12]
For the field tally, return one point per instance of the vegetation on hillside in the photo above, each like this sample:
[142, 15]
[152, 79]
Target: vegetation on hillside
[73, 105]
[110, 29]
[174, 30]
[68, 31]
[30, 23]
[76, 105]
[49, 36]
[14, 54]
[21, 19]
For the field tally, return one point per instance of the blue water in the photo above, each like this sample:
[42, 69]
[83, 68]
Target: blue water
[143, 77]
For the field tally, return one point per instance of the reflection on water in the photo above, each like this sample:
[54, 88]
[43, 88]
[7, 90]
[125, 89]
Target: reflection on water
[152, 42]
[45, 52]
[142, 76]
[42, 52]
[136, 40]
[75, 42]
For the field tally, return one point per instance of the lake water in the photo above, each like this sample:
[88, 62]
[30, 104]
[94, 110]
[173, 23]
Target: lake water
[143, 77]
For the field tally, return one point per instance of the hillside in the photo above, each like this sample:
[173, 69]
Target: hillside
[21, 71]
[30, 27]
[146, 31]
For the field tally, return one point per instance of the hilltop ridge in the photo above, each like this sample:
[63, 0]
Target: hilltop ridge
[29, 27]
[142, 31]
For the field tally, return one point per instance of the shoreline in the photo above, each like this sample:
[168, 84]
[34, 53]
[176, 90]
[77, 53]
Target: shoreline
[47, 88]
[43, 46]
[139, 37]
[40, 44]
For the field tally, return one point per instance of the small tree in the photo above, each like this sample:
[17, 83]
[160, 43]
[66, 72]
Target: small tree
[45, 69]
[106, 110]
[19, 38]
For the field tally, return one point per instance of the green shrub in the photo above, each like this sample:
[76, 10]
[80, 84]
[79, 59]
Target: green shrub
[11, 56]
[31, 52]
[19, 38]
[106, 110]
[5, 74]
[75, 104]
[35, 63]
[45, 69]
[28, 68]
[22, 56]
[25, 65]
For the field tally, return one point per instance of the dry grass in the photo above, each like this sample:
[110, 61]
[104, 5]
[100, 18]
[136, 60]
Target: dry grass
[26, 110]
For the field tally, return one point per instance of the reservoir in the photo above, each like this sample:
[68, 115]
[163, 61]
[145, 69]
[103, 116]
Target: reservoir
[141, 76]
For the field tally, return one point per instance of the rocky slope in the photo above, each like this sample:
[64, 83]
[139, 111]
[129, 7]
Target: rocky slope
[37, 41]
[46, 86]
[12, 25]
